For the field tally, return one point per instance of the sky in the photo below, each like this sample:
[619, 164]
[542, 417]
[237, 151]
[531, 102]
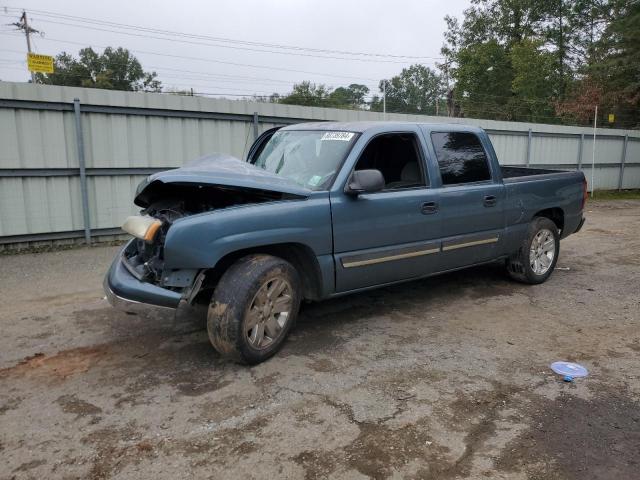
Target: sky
[229, 57]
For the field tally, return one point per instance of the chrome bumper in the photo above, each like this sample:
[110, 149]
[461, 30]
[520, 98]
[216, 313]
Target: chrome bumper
[126, 292]
[127, 305]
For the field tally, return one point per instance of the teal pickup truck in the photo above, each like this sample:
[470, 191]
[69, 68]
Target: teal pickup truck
[318, 210]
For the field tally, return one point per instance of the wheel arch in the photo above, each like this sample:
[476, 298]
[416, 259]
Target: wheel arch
[555, 214]
[301, 256]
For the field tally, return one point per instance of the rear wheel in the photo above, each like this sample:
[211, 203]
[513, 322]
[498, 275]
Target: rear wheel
[253, 308]
[536, 258]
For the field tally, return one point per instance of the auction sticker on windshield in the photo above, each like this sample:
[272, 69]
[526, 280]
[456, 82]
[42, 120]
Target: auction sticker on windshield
[343, 136]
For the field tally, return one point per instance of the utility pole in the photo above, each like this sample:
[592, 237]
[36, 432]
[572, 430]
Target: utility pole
[384, 99]
[449, 95]
[593, 151]
[23, 24]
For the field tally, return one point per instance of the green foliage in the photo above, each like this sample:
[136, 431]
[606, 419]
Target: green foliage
[318, 95]
[418, 89]
[353, 96]
[483, 75]
[114, 69]
[308, 94]
[534, 78]
[545, 60]
[619, 70]
[633, 194]
[526, 60]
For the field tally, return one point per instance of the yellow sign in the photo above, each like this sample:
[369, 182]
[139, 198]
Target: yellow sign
[612, 118]
[39, 63]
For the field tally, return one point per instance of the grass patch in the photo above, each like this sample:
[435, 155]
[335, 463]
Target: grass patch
[633, 194]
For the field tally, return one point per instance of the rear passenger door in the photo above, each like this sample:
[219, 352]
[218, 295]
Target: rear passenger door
[471, 199]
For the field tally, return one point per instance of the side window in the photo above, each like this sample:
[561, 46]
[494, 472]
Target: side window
[397, 156]
[461, 158]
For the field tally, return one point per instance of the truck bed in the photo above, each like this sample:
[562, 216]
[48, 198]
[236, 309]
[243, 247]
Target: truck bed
[522, 174]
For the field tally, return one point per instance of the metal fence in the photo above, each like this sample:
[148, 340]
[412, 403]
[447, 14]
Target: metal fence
[70, 158]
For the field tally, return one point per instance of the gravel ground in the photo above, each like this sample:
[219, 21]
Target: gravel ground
[441, 378]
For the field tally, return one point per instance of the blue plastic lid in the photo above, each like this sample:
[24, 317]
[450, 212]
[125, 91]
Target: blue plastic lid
[569, 369]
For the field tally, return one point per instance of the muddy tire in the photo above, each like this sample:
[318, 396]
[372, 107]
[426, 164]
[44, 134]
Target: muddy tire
[253, 308]
[536, 258]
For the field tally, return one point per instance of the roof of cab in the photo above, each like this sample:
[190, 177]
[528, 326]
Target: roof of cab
[363, 126]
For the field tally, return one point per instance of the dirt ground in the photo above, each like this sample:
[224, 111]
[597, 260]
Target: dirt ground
[441, 378]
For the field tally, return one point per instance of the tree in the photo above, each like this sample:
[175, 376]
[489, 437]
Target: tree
[308, 94]
[353, 96]
[483, 81]
[417, 89]
[545, 60]
[478, 55]
[114, 69]
[610, 75]
[619, 70]
[319, 95]
[534, 78]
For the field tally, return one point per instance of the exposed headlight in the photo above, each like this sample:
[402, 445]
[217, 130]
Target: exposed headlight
[144, 228]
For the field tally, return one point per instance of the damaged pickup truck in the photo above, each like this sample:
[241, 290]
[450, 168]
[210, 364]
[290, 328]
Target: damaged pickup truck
[326, 209]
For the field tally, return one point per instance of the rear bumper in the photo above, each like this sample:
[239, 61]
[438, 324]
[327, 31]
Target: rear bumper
[580, 225]
[127, 293]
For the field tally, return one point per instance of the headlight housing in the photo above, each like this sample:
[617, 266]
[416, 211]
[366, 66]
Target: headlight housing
[144, 228]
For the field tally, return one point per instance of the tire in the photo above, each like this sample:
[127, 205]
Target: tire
[244, 321]
[543, 236]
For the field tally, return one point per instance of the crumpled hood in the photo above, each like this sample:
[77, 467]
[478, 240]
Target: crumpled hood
[221, 170]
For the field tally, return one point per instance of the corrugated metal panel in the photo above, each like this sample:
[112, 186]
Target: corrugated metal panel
[606, 178]
[549, 150]
[39, 138]
[111, 199]
[39, 205]
[510, 149]
[607, 150]
[631, 177]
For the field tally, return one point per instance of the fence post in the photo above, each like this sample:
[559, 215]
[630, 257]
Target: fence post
[529, 147]
[83, 171]
[255, 126]
[623, 160]
[580, 151]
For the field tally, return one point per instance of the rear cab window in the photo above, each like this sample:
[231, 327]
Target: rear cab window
[461, 158]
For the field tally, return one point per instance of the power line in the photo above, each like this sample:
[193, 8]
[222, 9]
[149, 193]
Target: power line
[111, 77]
[252, 94]
[487, 105]
[191, 42]
[199, 74]
[223, 39]
[492, 105]
[210, 60]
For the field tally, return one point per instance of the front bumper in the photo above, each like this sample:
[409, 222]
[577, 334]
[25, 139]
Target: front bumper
[127, 293]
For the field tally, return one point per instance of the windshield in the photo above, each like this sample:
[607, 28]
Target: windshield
[309, 158]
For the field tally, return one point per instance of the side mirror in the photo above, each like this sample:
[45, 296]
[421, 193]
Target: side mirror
[365, 181]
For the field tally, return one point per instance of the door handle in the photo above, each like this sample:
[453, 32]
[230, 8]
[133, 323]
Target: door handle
[490, 200]
[429, 208]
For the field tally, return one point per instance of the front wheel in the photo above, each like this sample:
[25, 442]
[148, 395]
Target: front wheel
[536, 258]
[253, 308]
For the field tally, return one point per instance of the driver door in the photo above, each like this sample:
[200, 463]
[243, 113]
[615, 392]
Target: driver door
[393, 234]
